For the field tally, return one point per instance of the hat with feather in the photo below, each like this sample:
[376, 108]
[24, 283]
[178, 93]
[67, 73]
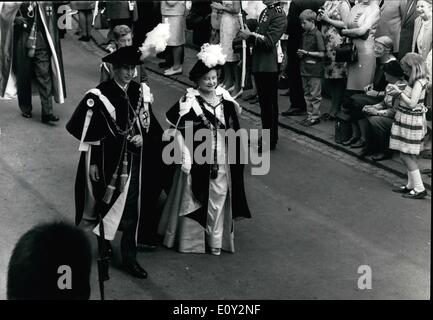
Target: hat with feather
[210, 57]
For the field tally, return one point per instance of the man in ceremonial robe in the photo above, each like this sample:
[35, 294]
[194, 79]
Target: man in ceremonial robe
[119, 170]
[30, 50]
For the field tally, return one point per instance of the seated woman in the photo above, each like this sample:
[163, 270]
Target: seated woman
[380, 116]
[206, 195]
[374, 93]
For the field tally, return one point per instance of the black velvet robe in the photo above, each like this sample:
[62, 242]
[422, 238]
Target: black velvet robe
[200, 173]
[107, 155]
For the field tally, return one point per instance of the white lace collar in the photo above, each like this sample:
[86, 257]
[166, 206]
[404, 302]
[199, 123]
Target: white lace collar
[191, 101]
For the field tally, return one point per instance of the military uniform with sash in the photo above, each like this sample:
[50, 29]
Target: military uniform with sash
[265, 67]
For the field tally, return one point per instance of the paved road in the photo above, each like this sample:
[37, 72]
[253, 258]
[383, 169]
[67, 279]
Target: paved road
[317, 216]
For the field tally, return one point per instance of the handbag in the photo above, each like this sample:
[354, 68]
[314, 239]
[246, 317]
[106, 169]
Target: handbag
[343, 127]
[346, 52]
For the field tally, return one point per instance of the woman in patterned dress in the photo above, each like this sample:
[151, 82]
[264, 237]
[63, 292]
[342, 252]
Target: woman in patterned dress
[334, 16]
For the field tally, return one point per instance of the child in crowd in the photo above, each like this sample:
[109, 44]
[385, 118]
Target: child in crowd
[122, 38]
[311, 53]
[410, 127]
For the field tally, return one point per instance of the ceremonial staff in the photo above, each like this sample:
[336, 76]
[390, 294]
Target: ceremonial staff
[95, 12]
[103, 257]
[244, 51]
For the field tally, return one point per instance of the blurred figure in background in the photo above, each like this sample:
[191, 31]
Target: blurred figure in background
[229, 27]
[174, 12]
[407, 25]
[51, 261]
[33, 43]
[422, 34]
[120, 12]
[391, 17]
[85, 9]
[198, 20]
[149, 15]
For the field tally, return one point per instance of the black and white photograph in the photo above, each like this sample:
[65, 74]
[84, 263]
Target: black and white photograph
[215, 155]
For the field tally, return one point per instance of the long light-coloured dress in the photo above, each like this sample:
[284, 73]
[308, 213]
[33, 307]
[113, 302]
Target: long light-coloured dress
[361, 73]
[230, 26]
[188, 222]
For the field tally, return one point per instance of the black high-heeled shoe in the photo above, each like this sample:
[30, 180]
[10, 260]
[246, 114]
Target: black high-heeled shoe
[358, 144]
[350, 141]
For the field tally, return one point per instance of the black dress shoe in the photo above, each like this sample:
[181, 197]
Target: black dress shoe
[358, 144]
[402, 189]
[134, 269]
[27, 114]
[415, 194]
[294, 112]
[49, 118]
[364, 152]
[350, 141]
[382, 156]
[311, 122]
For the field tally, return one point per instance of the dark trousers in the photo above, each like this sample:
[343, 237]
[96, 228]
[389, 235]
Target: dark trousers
[128, 245]
[381, 129]
[338, 87]
[293, 73]
[39, 69]
[267, 90]
[357, 102]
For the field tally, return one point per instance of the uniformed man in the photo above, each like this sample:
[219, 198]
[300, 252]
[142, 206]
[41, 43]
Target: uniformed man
[118, 176]
[272, 24]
